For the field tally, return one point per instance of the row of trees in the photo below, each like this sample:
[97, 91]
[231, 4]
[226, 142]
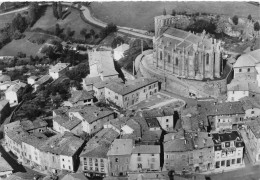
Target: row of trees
[57, 10]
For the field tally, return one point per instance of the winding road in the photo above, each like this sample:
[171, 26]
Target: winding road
[88, 16]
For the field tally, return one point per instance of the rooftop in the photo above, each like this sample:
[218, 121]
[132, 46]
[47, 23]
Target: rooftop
[151, 136]
[3, 103]
[152, 122]
[122, 48]
[146, 149]
[106, 135]
[82, 95]
[98, 152]
[14, 88]
[243, 86]
[248, 60]
[58, 67]
[159, 112]
[179, 145]
[250, 102]
[130, 86]
[62, 144]
[254, 125]
[4, 78]
[225, 137]
[43, 79]
[121, 147]
[66, 122]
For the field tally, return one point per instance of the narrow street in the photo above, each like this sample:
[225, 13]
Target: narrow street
[247, 173]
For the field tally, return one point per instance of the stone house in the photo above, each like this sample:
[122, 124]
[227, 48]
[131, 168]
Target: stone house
[37, 125]
[119, 156]
[32, 80]
[14, 94]
[145, 158]
[132, 92]
[80, 98]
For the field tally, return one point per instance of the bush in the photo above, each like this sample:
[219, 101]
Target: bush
[21, 55]
[18, 35]
[235, 19]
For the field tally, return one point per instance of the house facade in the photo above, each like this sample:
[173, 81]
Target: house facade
[132, 92]
[145, 158]
[59, 69]
[13, 94]
[228, 149]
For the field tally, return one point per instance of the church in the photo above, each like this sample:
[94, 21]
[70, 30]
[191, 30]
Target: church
[185, 54]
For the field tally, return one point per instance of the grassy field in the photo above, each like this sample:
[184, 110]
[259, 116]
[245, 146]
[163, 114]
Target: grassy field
[140, 14]
[73, 20]
[21, 45]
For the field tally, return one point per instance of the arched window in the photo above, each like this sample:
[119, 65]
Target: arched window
[177, 61]
[169, 58]
[207, 59]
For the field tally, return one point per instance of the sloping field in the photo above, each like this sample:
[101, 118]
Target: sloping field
[140, 14]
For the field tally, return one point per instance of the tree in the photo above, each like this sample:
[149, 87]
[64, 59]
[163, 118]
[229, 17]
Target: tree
[55, 11]
[83, 32]
[201, 24]
[60, 10]
[33, 11]
[235, 19]
[92, 33]
[220, 26]
[69, 32]
[57, 30]
[117, 41]
[19, 23]
[164, 11]
[173, 12]
[249, 17]
[256, 26]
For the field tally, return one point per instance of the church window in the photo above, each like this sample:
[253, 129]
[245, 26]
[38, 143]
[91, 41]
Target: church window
[207, 59]
[160, 55]
[177, 61]
[169, 58]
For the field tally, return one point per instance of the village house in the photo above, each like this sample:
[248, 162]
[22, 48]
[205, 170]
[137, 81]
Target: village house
[119, 51]
[145, 158]
[92, 117]
[132, 92]
[58, 70]
[228, 149]
[60, 152]
[96, 86]
[188, 152]
[42, 81]
[63, 123]
[164, 115]
[252, 139]
[5, 169]
[5, 109]
[32, 80]
[4, 86]
[219, 116]
[93, 158]
[119, 156]
[80, 98]
[237, 90]
[247, 67]
[13, 141]
[101, 64]
[14, 94]
[37, 125]
[251, 106]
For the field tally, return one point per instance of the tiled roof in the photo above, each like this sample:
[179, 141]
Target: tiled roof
[248, 59]
[66, 122]
[175, 135]
[250, 102]
[107, 135]
[77, 96]
[153, 136]
[4, 166]
[21, 176]
[130, 86]
[121, 147]
[179, 145]
[43, 79]
[98, 152]
[58, 67]
[14, 88]
[102, 84]
[91, 113]
[92, 80]
[17, 135]
[254, 125]
[62, 144]
[164, 111]
[202, 140]
[33, 77]
[152, 122]
[35, 140]
[146, 149]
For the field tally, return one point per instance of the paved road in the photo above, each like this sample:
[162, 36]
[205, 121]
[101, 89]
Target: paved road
[14, 11]
[247, 173]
